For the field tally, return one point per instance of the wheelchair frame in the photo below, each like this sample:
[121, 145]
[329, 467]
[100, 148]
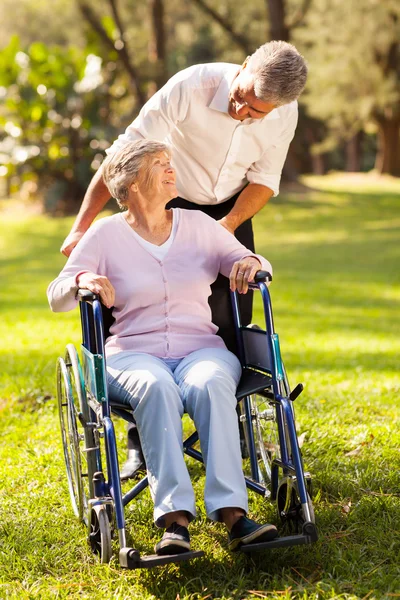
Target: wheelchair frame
[85, 417]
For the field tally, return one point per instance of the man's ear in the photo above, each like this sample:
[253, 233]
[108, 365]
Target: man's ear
[245, 63]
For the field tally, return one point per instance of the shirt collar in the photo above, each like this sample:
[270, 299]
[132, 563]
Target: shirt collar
[220, 101]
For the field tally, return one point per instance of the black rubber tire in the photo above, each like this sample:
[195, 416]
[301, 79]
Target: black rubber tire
[88, 436]
[265, 432]
[289, 506]
[100, 533]
[69, 438]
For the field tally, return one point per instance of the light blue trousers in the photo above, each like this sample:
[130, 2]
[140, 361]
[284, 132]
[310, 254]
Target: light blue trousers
[203, 384]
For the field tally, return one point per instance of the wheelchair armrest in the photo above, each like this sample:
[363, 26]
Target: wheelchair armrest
[262, 277]
[87, 295]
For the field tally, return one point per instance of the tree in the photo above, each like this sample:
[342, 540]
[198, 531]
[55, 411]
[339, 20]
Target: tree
[52, 129]
[354, 81]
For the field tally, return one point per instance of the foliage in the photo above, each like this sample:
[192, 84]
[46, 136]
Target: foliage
[36, 20]
[354, 53]
[353, 84]
[336, 290]
[56, 111]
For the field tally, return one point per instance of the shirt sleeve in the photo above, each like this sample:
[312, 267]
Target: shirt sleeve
[230, 250]
[61, 292]
[267, 170]
[159, 115]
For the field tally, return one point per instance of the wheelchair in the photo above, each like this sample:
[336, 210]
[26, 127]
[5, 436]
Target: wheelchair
[265, 402]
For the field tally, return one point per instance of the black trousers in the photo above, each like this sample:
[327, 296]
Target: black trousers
[220, 301]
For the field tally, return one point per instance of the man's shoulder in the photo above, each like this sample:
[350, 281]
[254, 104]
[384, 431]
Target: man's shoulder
[288, 110]
[205, 75]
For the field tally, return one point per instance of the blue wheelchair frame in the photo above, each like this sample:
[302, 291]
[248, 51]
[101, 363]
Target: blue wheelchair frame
[263, 373]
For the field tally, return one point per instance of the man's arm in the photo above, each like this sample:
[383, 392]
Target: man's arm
[96, 197]
[264, 175]
[251, 200]
[154, 122]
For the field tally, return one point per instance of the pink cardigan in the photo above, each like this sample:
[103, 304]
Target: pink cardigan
[161, 307]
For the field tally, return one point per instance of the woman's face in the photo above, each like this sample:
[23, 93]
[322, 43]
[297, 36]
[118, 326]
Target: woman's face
[158, 177]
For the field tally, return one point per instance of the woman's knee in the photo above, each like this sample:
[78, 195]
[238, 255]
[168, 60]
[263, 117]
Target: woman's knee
[210, 378]
[143, 384]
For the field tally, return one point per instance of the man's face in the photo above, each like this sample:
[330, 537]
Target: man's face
[243, 103]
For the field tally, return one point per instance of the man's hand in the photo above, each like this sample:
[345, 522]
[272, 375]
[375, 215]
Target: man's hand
[98, 284]
[70, 242]
[243, 273]
[228, 224]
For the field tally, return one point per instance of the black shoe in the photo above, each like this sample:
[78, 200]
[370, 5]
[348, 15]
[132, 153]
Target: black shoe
[246, 531]
[175, 540]
[133, 465]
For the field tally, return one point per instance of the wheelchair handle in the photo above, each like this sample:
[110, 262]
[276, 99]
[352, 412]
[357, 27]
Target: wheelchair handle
[262, 277]
[87, 295]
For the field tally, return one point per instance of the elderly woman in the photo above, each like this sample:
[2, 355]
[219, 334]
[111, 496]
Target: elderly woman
[164, 357]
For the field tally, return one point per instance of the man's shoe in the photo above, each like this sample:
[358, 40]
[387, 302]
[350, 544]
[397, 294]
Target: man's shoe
[133, 465]
[246, 531]
[175, 540]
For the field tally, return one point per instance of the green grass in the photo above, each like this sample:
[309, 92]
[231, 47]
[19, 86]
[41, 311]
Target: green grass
[335, 248]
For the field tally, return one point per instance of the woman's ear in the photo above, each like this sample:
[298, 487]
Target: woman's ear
[134, 187]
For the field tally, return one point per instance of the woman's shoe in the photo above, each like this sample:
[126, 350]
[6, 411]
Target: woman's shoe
[246, 531]
[133, 465]
[175, 540]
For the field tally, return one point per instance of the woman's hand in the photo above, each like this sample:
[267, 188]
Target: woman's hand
[98, 284]
[243, 272]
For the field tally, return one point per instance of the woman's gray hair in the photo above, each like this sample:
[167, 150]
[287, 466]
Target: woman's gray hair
[280, 72]
[122, 168]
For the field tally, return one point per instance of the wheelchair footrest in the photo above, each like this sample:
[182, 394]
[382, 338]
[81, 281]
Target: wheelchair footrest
[129, 558]
[308, 536]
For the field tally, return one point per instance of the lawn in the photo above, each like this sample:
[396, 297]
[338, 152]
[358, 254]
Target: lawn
[335, 248]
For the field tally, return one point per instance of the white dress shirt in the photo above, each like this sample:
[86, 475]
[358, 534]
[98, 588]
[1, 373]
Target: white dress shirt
[214, 155]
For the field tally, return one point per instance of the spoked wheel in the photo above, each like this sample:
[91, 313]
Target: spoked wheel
[87, 435]
[70, 438]
[266, 440]
[289, 506]
[100, 533]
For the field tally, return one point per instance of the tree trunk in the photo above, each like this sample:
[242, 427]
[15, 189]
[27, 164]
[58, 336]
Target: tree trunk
[353, 152]
[388, 156]
[278, 29]
[157, 47]
[317, 160]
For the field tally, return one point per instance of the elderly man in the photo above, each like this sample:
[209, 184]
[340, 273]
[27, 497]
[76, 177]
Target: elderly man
[229, 127]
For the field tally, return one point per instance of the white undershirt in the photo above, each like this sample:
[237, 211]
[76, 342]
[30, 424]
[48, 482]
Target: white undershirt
[159, 252]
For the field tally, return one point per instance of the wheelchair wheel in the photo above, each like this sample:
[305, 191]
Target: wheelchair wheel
[100, 533]
[289, 506]
[70, 438]
[87, 436]
[266, 440]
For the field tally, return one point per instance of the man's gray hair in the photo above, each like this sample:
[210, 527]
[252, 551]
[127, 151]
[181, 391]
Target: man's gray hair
[122, 168]
[280, 72]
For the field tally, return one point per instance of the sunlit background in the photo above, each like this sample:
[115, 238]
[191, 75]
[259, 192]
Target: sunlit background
[73, 74]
